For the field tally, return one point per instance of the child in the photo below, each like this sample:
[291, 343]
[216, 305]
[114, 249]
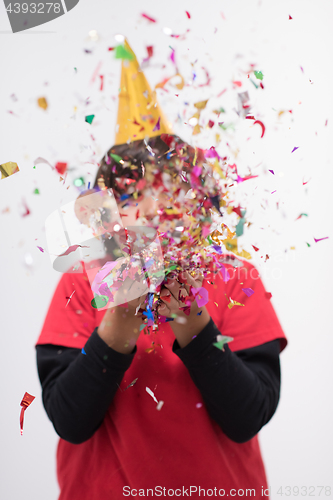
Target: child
[175, 411]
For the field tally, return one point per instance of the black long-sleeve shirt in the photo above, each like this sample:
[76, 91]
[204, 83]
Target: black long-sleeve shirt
[240, 389]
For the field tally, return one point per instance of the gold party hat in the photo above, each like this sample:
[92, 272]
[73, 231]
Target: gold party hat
[139, 114]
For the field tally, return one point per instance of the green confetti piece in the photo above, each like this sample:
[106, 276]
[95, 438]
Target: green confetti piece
[256, 86]
[79, 181]
[308, 244]
[34, 166]
[122, 53]
[116, 158]
[222, 342]
[89, 118]
[258, 74]
[210, 240]
[36, 191]
[226, 126]
[142, 326]
[99, 301]
[240, 227]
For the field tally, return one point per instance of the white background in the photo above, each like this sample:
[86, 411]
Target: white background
[225, 38]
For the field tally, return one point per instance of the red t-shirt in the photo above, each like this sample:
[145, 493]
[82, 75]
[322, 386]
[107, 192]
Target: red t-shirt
[139, 448]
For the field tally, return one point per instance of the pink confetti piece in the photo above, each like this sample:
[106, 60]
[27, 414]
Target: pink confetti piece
[151, 19]
[320, 239]
[72, 248]
[248, 291]
[201, 295]
[271, 171]
[40, 248]
[102, 82]
[295, 149]
[188, 14]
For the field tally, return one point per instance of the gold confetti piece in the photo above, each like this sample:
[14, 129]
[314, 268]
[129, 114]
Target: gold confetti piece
[8, 169]
[201, 104]
[42, 103]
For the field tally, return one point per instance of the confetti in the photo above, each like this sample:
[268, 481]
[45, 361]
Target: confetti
[26, 401]
[157, 126]
[89, 119]
[100, 301]
[71, 249]
[131, 384]
[8, 169]
[221, 341]
[61, 167]
[268, 295]
[290, 17]
[40, 248]
[258, 75]
[83, 351]
[42, 103]
[302, 215]
[69, 298]
[271, 171]
[295, 149]
[320, 239]
[262, 127]
[248, 291]
[150, 392]
[188, 14]
[116, 158]
[151, 19]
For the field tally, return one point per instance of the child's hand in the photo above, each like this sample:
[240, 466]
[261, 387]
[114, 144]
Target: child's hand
[176, 294]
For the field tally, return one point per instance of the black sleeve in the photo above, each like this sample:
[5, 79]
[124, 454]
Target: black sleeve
[77, 389]
[240, 389]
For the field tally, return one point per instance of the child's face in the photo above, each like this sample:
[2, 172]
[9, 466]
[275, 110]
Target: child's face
[149, 206]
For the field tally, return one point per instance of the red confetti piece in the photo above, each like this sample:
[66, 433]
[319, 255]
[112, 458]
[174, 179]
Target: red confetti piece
[268, 295]
[188, 14]
[111, 48]
[150, 51]
[262, 127]
[137, 215]
[295, 149]
[27, 211]
[26, 401]
[61, 167]
[255, 248]
[290, 17]
[237, 83]
[210, 124]
[151, 19]
[306, 181]
[320, 239]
